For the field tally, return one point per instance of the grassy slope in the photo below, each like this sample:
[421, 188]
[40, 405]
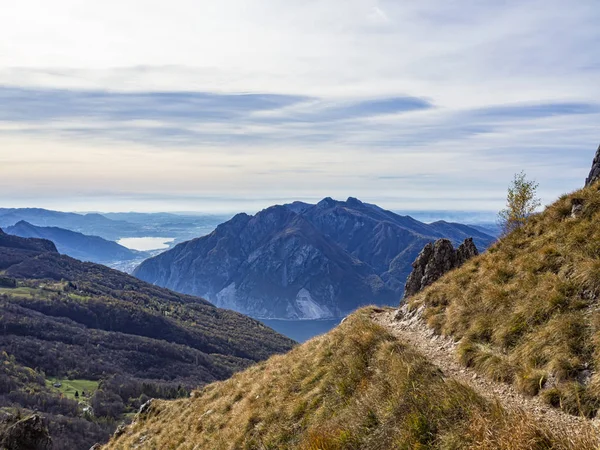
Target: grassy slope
[71, 387]
[91, 326]
[527, 310]
[356, 387]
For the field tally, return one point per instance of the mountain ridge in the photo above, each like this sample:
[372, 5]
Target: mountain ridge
[77, 245]
[302, 261]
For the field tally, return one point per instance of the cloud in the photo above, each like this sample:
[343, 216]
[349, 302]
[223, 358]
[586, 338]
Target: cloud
[388, 101]
[30, 105]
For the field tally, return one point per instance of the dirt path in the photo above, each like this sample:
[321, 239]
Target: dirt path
[409, 327]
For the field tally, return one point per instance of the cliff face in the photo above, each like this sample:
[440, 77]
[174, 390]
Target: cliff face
[435, 260]
[301, 261]
[595, 170]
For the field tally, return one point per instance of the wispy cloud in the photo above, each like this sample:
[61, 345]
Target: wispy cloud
[380, 99]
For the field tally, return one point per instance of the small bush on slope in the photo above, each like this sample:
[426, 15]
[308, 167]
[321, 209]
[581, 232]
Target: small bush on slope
[527, 310]
[356, 387]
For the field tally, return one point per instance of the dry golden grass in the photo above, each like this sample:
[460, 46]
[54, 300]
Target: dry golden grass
[527, 310]
[356, 387]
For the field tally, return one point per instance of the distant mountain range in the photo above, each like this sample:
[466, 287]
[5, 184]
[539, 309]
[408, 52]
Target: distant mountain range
[114, 226]
[77, 245]
[121, 339]
[303, 261]
[91, 224]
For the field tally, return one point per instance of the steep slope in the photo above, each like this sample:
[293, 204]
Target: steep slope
[275, 264]
[121, 338]
[386, 241]
[527, 311]
[357, 387]
[76, 245]
[301, 260]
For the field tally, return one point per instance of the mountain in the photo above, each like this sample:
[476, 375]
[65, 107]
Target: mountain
[274, 264]
[92, 224]
[302, 261]
[86, 345]
[77, 245]
[115, 226]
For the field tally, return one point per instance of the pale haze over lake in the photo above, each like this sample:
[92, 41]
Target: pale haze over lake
[146, 243]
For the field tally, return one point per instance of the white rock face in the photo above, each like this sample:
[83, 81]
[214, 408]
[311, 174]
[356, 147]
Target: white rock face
[227, 298]
[309, 309]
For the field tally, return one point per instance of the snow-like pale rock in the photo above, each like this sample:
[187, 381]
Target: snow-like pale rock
[226, 298]
[309, 309]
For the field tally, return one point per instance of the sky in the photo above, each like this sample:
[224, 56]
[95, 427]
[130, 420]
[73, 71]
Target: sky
[235, 105]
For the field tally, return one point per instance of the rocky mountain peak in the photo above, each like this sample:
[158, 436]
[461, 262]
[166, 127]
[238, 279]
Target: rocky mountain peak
[435, 260]
[354, 202]
[327, 202]
[595, 170]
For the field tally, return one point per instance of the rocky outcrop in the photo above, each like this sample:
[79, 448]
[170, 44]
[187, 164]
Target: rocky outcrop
[27, 434]
[435, 260]
[595, 171]
[576, 208]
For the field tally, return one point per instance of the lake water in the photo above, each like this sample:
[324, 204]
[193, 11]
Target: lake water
[301, 330]
[145, 244]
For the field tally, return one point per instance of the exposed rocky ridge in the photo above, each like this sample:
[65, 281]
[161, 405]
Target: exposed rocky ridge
[30, 433]
[435, 260]
[302, 261]
[595, 170]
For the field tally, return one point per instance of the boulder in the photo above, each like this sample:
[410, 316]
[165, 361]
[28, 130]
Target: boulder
[435, 260]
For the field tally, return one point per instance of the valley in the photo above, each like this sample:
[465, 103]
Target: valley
[86, 345]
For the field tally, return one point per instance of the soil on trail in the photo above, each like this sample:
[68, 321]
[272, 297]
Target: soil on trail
[408, 327]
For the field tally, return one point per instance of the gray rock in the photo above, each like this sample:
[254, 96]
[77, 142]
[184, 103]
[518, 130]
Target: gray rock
[595, 171]
[435, 260]
[465, 251]
[27, 434]
[121, 429]
[146, 407]
[576, 208]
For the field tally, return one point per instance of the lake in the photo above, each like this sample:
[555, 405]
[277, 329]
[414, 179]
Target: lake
[145, 244]
[301, 330]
